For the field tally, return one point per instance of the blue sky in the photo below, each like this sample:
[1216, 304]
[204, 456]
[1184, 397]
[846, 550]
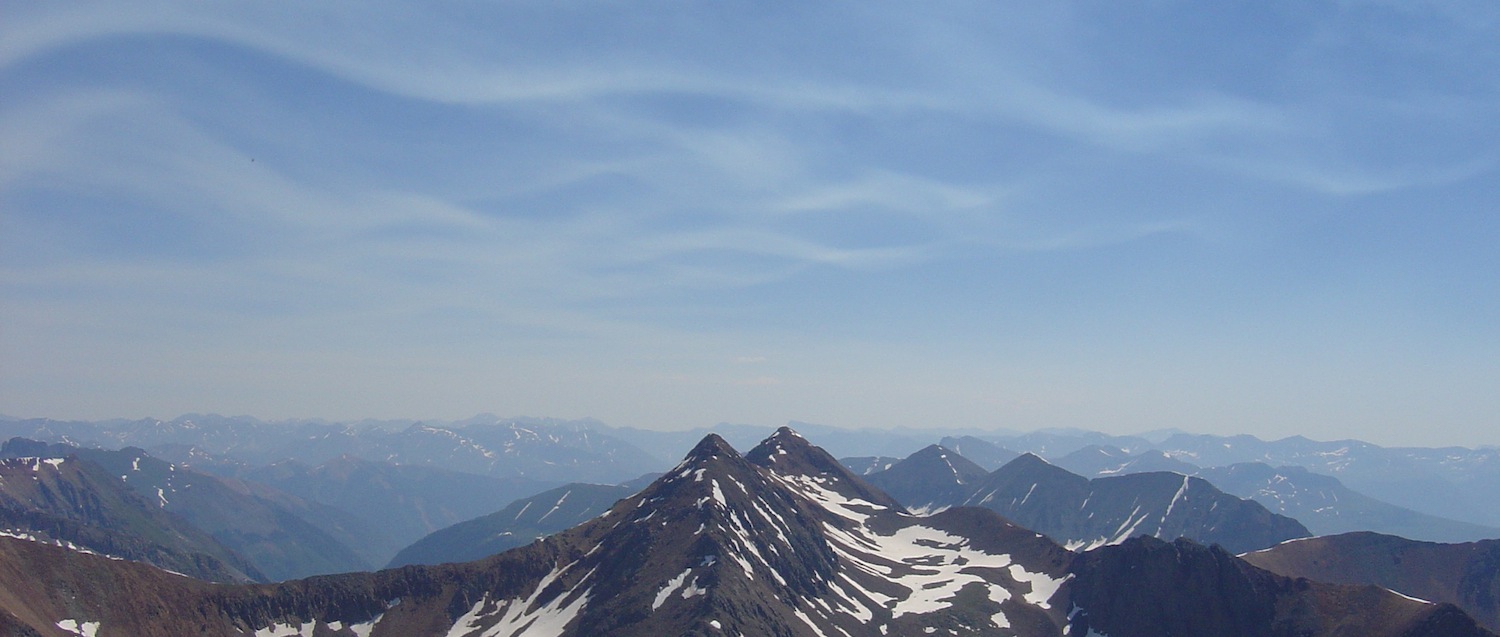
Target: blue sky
[1260, 217]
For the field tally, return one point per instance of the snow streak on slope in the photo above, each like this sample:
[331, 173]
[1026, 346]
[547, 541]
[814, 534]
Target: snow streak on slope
[528, 616]
[914, 569]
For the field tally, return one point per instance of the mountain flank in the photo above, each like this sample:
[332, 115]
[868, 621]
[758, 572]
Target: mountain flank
[1464, 574]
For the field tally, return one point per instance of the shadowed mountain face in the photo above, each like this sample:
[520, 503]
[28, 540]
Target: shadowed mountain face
[74, 502]
[930, 479]
[1328, 507]
[1119, 592]
[1453, 482]
[1321, 502]
[781, 541]
[1083, 513]
[280, 536]
[403, 502]
[522, 522]
[1466, 575]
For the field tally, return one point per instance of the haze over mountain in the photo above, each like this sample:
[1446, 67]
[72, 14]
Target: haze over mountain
[1097, 461]
[1083, 513]
[781, 540]
[1452, 478]
[930, 479]
[518, 524]
[401, 502]
[1321, 502]
[1451, 482]
[539, 449]
[987, 455]
[76, 503]
[1328, 507]
[282, 536]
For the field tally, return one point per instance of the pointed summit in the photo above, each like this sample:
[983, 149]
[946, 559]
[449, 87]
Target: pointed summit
[929, 480]
[711, 446]
[788, 454]
[1029, 459]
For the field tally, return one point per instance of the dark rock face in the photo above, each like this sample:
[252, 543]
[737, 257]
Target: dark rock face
[1121, 591]
[1466, 574]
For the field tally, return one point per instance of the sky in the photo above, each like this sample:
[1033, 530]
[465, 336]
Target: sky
[1262, 217]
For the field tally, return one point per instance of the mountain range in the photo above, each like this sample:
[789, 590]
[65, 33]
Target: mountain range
[1453, 483]
[1322, 502]
[1081, 513]
[782, 540]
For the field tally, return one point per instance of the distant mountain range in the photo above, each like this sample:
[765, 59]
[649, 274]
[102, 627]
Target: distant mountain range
[1328, 507]
[1081, 513]
[779, 541]
[1321, 502]
[377, 486]
[402, 502]
[1453, 483]
[545, 450]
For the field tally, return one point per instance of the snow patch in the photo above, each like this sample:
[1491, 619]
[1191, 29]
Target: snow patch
[287, 630]
[1181, 491]
[83, 629]
[362, 629]
[525, 616]
[554, 508]
[671, 587]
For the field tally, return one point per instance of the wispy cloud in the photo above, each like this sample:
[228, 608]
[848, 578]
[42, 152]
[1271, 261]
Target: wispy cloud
[642, 191]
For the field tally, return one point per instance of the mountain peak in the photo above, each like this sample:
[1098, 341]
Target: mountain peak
[930, 450]
[1031, 459]
[710, 447]
[930, 479]
[788, 454]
